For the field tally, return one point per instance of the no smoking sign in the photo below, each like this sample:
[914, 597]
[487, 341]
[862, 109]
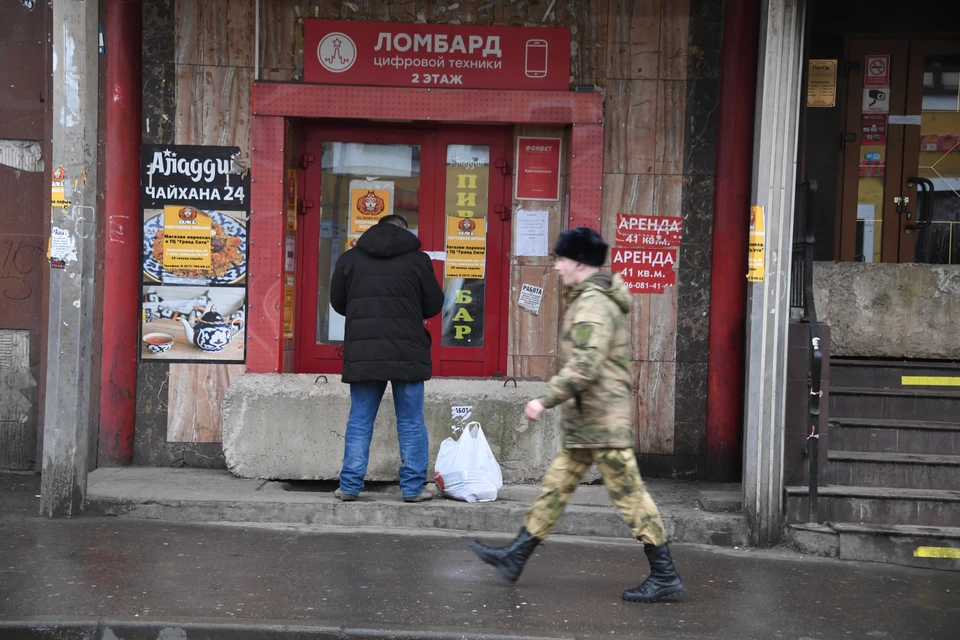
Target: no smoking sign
[877, 72]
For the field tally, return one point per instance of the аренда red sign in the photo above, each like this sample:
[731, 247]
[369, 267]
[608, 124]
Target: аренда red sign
[436, 55]
[648, 231]
[645, 270]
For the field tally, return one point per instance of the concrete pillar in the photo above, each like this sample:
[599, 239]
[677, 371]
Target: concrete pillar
[70, 337]
[768, 302]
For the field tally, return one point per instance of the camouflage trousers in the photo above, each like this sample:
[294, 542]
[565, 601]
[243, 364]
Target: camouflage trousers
[622, 479]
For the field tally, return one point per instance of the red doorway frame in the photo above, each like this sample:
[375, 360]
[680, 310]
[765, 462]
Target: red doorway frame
[274, 103]
[433, 138]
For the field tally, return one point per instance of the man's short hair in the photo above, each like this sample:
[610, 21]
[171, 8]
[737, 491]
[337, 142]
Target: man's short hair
[395, 220]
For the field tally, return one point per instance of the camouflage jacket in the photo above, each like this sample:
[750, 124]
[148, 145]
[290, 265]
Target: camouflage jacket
[595, 382]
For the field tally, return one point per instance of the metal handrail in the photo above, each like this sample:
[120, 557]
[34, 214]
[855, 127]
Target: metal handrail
[802, 229]
[802, 300]
[816, 357]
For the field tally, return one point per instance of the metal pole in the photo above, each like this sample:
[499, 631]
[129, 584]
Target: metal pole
[73, 232]
[731, 207]
[768, 302]
[121, 254]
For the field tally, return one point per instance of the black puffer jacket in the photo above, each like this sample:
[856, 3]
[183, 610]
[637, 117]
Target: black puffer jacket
[386, 288]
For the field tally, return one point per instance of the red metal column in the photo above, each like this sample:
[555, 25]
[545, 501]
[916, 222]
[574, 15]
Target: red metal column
[738, 76]
[586, 176]
[121, 258]
[268, 227]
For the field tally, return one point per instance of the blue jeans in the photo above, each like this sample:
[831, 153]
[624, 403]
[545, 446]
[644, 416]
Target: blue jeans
[411, 431]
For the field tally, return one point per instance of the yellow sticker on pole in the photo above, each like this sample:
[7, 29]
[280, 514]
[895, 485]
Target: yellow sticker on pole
[755, 253]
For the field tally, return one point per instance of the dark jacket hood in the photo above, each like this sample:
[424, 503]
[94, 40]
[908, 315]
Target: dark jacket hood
[387, 241]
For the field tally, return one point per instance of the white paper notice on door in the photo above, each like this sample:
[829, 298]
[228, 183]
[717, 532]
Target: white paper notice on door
[530, 297]
[866, 215]
[532, 229]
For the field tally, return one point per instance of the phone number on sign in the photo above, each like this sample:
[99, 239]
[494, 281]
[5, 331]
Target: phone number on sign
[651, 286]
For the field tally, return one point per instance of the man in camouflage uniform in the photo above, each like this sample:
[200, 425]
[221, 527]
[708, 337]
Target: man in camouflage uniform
[595, 388]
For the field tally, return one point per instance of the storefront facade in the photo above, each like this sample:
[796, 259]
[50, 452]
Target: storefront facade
[631, 114]
[658, 123]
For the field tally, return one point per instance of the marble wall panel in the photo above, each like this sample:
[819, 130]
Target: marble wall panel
[630, 126]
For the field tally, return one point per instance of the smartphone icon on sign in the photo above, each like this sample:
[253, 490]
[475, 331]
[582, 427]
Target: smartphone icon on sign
[536, 59]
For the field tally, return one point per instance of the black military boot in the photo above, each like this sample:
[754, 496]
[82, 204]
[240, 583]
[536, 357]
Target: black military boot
[508, 560]
[663, 580]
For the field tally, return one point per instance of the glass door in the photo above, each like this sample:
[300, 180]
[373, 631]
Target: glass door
[930, 231]
[358, 176]
[872, 150]
[450, 185]
[475, 238]
[901, 187]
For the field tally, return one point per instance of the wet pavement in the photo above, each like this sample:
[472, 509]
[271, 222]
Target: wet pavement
[216, 495]
[423, 581]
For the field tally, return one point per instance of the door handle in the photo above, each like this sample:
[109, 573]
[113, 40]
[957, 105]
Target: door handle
[925, 211]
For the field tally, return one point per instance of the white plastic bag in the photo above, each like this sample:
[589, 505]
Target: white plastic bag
[466, 468]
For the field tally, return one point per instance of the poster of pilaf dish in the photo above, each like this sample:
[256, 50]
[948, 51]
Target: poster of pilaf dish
[194, 247]
[220, 261]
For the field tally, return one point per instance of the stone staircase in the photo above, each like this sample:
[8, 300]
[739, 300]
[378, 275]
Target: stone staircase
[890, 466]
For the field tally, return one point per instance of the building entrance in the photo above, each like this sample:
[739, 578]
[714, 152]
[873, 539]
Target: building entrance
[451, 186]
[901, 159]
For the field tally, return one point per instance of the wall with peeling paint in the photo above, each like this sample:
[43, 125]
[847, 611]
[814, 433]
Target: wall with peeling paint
[658, 64]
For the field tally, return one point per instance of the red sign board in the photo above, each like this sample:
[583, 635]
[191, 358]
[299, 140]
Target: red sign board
[645, 270]
[648, 231]
[874, 129]
[538, 168]
[399, 54]
[877, 71]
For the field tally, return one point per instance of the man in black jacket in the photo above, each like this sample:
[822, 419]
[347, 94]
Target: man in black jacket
[386, 289]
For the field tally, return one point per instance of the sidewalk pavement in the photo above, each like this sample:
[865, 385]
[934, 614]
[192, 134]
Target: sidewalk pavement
[103, 578]
[213, 495]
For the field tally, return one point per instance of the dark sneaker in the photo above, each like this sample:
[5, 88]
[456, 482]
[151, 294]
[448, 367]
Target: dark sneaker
[345, 497]
[422, 497]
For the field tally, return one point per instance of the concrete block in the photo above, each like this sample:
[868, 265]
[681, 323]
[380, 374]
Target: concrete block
[889, 310]
[291, 427]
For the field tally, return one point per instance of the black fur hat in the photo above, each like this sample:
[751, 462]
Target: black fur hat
[582, 244]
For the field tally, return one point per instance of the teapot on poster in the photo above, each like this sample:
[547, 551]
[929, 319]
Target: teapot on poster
[211, 332]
